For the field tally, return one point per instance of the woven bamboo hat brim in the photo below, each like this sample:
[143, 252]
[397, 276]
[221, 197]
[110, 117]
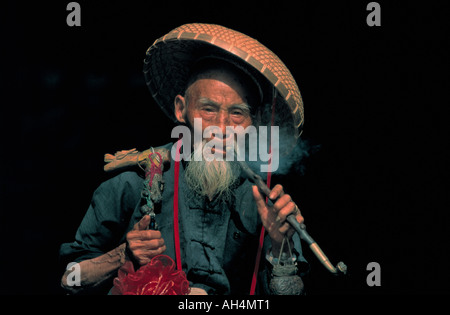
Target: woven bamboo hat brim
[169, 60]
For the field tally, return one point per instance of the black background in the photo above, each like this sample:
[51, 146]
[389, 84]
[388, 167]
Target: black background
[375, 100]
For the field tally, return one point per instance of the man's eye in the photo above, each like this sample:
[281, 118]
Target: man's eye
[236, 112]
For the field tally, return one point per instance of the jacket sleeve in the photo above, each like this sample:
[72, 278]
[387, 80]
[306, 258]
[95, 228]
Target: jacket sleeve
[107, 219]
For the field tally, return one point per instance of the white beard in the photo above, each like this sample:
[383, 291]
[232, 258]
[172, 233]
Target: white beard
[212, 178]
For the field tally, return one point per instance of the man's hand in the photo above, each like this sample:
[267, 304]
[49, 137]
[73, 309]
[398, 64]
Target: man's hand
[274, 218]
[144, 244]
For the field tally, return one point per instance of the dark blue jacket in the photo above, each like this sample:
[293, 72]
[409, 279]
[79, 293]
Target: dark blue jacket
[218, 240]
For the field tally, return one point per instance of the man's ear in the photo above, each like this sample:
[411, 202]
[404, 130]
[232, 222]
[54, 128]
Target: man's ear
[180, 108]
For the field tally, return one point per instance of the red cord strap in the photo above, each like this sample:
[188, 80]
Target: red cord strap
[176, 228]
[269, 176]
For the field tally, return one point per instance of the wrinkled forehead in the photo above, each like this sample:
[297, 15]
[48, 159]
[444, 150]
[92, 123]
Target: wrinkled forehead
[228, 74]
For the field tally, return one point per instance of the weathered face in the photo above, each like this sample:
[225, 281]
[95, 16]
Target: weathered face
[218, 99]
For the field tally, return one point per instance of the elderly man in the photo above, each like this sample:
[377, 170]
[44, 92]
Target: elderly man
[208, 217]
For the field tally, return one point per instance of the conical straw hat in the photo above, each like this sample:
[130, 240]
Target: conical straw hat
[169, 60]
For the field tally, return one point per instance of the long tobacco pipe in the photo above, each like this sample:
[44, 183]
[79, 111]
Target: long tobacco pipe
[300, 228]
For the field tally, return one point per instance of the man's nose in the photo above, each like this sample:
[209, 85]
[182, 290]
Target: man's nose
[223, 121]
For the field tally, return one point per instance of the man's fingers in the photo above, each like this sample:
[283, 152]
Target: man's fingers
[143, 243]
[143, 235]
[286, 208]
[282, 202]
[274, 218]
[143, 256]
[276, 192]
[146, 245]
[284, 228]
[142, 224]
[259, 199]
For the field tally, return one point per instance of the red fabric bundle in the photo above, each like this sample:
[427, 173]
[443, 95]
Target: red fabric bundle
[158, 277]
